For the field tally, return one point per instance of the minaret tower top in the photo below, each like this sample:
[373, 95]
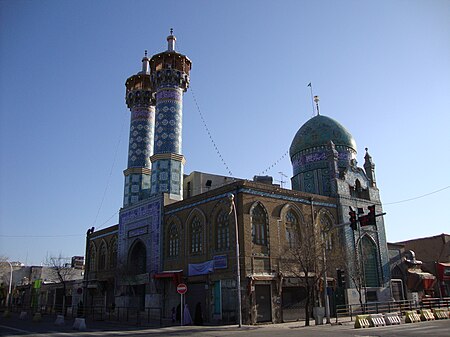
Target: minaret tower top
[171, 41]
[140, 99]
[170, 60]
[170, 78]
[145, 64]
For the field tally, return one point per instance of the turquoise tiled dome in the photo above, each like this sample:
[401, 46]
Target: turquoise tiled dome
[318, 131]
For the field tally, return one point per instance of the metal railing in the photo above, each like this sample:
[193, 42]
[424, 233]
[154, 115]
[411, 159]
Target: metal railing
[150, 316]
[350, 310]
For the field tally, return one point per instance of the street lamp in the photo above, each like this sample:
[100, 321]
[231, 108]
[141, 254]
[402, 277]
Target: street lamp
[325, 287]
[8, 297]
[238, 269]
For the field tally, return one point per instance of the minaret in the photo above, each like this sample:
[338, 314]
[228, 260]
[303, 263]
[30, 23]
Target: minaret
[170, 78]
[369, 167]
[140, 100]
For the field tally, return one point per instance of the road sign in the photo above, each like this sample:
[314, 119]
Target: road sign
[181, 288]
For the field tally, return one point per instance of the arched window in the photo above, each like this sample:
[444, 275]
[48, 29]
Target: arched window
[292, 230]
[92, 257]
[102, 253]
[113, 256]
[138, 258]
[174, 240]
[325, 225]
[259, 226]
[223, 231]
[370, 262]
[196, 236]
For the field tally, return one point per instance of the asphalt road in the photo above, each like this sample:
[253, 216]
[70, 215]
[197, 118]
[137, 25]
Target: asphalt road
[14, 327]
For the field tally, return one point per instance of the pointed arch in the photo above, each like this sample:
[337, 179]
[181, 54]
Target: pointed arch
[174, 236]
[325, 221]
[102, 255]
[222, 222]
[137, 257]
[259, 220]
[292, 221]
[92, 257]
[174, 240]
[196, 229]
[370, 261]
[113, 253]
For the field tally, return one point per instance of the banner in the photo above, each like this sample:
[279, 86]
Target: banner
[201, 268]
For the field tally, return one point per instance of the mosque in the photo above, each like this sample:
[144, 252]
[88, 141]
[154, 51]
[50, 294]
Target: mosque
[185, 228]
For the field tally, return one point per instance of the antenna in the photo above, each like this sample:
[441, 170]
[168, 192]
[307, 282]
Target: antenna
[312, 101]
[281, 178]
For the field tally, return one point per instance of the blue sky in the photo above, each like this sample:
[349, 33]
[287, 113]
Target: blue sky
[381, 68]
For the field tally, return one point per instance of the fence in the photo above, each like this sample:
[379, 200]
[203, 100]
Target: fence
[149, 316]
[350, 310]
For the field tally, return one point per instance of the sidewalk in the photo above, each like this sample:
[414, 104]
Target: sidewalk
[47, 326]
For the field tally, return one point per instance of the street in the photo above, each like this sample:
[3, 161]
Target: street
[14, 327]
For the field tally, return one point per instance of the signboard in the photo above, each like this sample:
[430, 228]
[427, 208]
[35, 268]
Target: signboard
[220, 262]
[181, 288]
[137, 231]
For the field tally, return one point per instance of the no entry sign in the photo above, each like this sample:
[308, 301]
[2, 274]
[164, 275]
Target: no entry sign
[181, 288]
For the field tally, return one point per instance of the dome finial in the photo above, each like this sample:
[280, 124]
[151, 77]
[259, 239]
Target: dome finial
[171, 41]
[145, 64]
[316, 100]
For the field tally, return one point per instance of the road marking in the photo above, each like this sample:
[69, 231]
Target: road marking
[14, 329]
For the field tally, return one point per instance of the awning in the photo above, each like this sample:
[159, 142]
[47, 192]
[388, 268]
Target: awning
[175, 275]
[263, 277]
[418, 280]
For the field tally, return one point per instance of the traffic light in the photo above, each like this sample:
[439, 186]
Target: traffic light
[340, 278]
[371, 215]
[353, 220]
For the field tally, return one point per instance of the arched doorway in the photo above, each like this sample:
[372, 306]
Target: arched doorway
[137, 264]
[370, 261]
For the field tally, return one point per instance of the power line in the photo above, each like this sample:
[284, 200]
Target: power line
[209, 134]
[275, 163]
[110, 173]
[415, 198]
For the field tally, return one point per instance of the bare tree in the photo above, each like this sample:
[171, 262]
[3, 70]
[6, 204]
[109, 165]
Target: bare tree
[356, 275]
[61, 272]
[315, 250]
[5, 271]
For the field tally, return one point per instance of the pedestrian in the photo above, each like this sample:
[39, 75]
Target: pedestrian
[178, 312]
[198, 319]
[174, 315]
[187, 318]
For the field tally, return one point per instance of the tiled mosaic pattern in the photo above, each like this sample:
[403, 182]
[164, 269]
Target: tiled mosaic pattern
[166, 177]
[167, 174]
[145, 217]
[169, 107]
[140, 146]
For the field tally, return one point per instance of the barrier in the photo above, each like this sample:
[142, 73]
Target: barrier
[426, 315]
[441, 313]
[37, 317]
[412, 317]
[377, 320]
[362, 321]
[23, 315]
[59, 320]
[79, 324]
[6, 313]
[392, 319]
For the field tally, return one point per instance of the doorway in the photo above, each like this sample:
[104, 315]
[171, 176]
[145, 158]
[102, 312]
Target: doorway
[263, 303]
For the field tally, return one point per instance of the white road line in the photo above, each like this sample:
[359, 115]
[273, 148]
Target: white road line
[14, 329]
